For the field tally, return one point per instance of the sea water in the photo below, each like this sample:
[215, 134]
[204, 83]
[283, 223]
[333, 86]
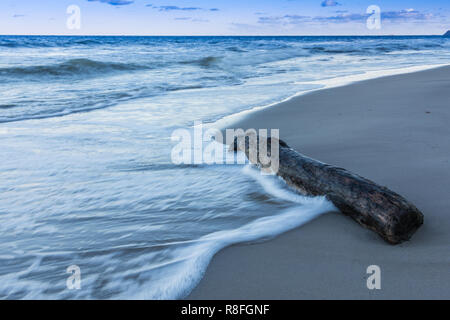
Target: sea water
[85, 153]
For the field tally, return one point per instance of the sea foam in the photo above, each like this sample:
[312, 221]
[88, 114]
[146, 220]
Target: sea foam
[176, 279]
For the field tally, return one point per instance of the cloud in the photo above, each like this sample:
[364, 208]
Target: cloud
[341, 18]
[190, 19]
[389, 16]
[18, 15]
[284, 20]
[176, 8]
[114, 2]
[330, 3]
[172, 8]
[406, 15]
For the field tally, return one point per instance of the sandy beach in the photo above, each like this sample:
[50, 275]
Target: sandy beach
[393, 130]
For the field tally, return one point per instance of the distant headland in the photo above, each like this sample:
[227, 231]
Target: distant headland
[447, 34]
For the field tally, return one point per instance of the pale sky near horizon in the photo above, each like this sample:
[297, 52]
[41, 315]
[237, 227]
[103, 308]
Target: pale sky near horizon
[224, 17]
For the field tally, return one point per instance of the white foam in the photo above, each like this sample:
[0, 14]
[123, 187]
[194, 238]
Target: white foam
[326, 84]
[178, 277]
[277, 187]
[346, 80]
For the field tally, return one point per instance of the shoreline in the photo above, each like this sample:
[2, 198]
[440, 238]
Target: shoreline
[401, 145]
[327, 84]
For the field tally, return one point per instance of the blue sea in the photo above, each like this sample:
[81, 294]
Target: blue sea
[85, 163]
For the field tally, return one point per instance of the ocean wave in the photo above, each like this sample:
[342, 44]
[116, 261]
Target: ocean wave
[73, 67]
[9, 44]
[236, 49]
[370, 50]
[156, 167]
[49, 42]
[22, 44]
[206, 62]
[87, 42]
[43, 109]
[7, 106]
[330, 50]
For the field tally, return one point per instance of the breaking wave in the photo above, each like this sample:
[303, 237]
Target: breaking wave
[72, 67]
[203, 62]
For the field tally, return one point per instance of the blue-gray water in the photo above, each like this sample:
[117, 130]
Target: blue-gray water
[85, 167]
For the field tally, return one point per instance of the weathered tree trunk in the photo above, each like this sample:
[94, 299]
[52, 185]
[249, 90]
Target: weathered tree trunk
[372, 206]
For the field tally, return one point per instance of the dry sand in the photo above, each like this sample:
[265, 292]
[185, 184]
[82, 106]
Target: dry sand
[393, 130]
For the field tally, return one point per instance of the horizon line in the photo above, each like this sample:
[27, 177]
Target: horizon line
[213, 35]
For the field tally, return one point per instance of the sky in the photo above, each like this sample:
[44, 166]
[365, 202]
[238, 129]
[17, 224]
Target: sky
[223, 17]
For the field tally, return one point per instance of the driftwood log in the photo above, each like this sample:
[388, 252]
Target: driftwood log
[372, 206]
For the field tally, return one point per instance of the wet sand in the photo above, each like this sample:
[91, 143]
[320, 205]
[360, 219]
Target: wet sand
[393, 130]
